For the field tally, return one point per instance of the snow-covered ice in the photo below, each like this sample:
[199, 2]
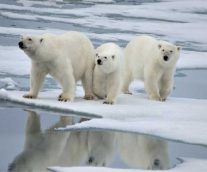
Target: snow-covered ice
[175, 20]
[188, 165]
[172, 119]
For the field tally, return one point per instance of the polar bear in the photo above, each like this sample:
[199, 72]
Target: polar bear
[67, 57]
[145, 152]
[107, 72]
[154, 62]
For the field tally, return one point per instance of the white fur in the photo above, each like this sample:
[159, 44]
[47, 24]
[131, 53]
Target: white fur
[107, 76]
[143, 152]
[144, 59]
[67, 57]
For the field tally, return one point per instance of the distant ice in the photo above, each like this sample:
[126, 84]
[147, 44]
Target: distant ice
[177, 21]
[29, 3]
[188, 165]
[10, 83]
[14, 61]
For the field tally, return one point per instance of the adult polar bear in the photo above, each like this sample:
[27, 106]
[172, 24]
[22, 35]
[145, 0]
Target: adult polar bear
[67, 57]
[153, 61]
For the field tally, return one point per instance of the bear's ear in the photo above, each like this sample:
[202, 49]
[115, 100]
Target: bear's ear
[41, 40]
[159, 46]
[113, 56]
[178, 48]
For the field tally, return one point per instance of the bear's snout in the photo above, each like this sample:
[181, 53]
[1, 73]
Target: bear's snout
[165, 58]
[99, 62]
[21, 45]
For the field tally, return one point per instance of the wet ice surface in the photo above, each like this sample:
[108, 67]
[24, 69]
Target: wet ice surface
[181, 22]
[30, 143]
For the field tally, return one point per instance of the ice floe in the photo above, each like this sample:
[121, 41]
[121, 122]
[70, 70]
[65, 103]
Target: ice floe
[176, 119]
[188, 165]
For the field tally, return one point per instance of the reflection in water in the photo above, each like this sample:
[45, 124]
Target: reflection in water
[144, 152]
[41, 149]
[52, 148]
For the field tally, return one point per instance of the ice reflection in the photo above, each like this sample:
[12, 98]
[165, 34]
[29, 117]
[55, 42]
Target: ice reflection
[85, 148]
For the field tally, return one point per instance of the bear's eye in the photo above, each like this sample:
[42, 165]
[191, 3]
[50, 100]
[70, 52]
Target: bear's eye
[105, 57]
[29, 39]
[163, 50]
[171, 51]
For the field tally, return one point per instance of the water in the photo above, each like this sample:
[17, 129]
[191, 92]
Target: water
[28, 142]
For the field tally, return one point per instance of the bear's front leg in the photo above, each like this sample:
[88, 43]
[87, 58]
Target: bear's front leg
[36, 80]
[113, 90]
[67, 81]
[151, 80]
[166, 85]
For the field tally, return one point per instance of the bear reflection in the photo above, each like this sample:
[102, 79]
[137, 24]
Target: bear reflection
[139, 151]
[41, 148]
[53, 148]
[89, 148]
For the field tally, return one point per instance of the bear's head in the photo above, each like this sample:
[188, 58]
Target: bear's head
[29, 44]
[108, 63]
[168, 53]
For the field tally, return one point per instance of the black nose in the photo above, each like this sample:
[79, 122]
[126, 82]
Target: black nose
[21, 45]
[165, 58]
[99, 61]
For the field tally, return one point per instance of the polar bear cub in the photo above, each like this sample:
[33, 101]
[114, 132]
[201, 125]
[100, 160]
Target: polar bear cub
[67, 57]
[152, 61]
[107, 72]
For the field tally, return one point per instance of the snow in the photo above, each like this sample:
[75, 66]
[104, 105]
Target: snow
[188, 165]
[172, 119]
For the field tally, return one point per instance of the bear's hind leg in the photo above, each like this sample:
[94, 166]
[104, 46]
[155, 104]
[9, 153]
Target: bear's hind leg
[87, 81]
[126, 83]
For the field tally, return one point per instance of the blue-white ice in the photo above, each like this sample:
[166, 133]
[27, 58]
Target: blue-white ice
[179, 21]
